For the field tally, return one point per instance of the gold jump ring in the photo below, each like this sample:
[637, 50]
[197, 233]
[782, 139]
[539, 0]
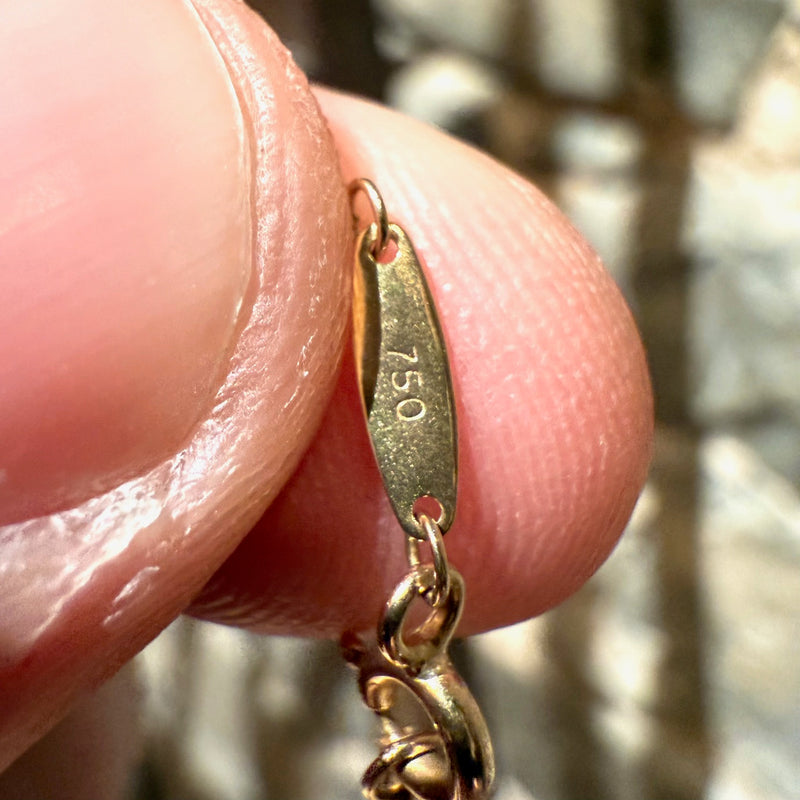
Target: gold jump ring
[378, 208]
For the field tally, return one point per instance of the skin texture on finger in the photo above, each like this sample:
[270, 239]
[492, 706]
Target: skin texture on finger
[553, 398]
[83, 589]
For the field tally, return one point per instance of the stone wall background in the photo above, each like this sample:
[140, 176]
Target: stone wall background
[670, 133]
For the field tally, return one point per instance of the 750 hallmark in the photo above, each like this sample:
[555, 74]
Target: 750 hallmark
[408, 408]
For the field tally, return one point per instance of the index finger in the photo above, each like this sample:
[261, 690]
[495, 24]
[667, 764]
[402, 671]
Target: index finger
[555, 410]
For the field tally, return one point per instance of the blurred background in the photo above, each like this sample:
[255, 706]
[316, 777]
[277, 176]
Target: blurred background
[669, 132]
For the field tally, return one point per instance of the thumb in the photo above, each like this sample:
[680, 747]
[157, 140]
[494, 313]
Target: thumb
[173, 234]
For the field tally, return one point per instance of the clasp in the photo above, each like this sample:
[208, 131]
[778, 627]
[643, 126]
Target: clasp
[434, 741]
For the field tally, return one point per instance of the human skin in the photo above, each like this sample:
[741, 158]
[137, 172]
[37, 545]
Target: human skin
[175, 250]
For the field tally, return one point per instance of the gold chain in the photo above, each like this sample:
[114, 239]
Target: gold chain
[434, 741]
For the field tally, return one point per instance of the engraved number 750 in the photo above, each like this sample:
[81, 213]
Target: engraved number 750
[408, 409]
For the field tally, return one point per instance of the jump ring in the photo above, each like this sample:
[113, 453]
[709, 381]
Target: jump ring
[378, 208]
[441, 569]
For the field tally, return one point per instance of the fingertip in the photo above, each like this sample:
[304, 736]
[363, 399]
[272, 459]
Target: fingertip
[554, 401]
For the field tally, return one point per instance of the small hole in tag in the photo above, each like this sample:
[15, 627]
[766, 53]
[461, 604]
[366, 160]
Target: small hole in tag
[389, 251]
[430, 507]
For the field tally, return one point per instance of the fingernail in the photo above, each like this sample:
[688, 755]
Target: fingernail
[125, 237]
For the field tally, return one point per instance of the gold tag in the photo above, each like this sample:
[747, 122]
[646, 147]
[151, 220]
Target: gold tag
[404, 378]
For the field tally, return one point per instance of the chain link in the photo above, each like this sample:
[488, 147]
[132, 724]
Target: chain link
[436, 594]
[381, 234]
